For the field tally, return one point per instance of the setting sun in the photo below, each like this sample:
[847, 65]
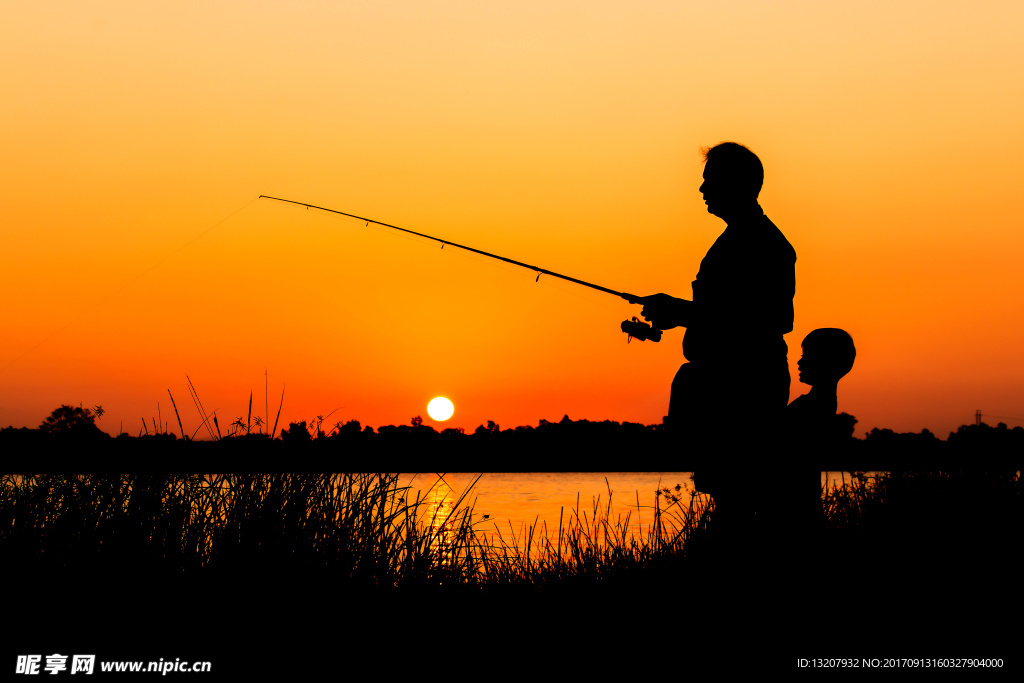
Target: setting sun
[440, 409]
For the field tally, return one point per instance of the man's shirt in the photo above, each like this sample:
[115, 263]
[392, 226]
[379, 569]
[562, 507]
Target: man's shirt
[743, 296]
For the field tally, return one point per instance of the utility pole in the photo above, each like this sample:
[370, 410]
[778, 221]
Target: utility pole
[977, 418]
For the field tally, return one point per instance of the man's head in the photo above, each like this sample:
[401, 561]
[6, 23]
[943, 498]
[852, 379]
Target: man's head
[828, 354]
[733, 176]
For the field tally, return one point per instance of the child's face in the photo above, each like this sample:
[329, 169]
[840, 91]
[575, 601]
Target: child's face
[808, 365]
[816, 365]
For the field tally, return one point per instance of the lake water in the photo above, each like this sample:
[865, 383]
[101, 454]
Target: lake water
[510, 503]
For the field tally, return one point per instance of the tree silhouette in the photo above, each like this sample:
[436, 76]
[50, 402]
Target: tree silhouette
[71, 420]
[491, 428]
[844, 425]
[297, 432]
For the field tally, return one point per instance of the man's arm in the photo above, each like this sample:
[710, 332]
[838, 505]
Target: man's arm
[663, 311]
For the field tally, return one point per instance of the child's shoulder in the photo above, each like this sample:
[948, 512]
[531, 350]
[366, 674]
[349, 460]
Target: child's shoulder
[800, 404]
[809, 406]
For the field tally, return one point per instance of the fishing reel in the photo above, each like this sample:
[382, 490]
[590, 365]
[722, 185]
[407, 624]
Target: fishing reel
[640, 330]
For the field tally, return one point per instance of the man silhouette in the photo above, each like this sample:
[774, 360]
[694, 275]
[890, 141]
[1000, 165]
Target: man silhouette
[728, 399]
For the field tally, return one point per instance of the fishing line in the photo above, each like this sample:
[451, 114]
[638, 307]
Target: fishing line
[634, 328]
[553, 283]
[468, 255]
[421, 241]
[536, 269]
[134, 279]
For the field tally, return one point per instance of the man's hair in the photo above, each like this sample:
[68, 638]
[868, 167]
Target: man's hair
[836, 345]
[740, 164]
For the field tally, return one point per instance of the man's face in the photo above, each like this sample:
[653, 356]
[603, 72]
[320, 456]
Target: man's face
[721, 191]
[712, 190]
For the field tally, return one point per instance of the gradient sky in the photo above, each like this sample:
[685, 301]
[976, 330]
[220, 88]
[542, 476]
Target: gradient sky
[560, 134]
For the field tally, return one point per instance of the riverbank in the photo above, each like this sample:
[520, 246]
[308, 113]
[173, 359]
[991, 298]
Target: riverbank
[557, 448]
[294, 573]
[690, 621]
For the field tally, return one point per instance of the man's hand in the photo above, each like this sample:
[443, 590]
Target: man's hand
[663, 311]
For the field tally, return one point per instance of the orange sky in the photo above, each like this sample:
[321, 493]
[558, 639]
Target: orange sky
[560, 134]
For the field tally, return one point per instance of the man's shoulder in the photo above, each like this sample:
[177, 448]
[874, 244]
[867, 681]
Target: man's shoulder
[777, 241]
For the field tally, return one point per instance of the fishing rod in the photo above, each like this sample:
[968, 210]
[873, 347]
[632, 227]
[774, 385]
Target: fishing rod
[634, 328]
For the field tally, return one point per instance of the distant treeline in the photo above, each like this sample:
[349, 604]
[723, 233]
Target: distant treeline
[69, 440]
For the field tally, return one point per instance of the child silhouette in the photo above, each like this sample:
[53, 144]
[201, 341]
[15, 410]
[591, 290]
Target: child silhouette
[828, 355]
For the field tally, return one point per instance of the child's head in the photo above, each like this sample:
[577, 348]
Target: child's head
[828, 354]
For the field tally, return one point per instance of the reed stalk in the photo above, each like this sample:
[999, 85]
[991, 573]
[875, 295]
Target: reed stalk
[175, 405]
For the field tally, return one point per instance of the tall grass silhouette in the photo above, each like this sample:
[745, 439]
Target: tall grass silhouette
[359, 528]
[364, 530]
